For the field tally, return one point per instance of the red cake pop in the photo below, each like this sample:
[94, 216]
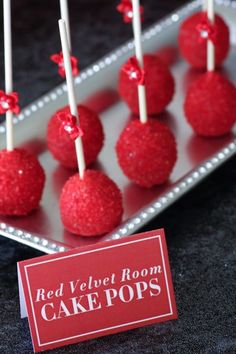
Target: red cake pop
[146, 149]
[21, 182]
[159, 84]
[62, 146]
[210, 105]
[91, 205]
[146, 152]
[21, 176]
[193, 35]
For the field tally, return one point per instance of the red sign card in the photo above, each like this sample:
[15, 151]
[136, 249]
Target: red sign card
[97, 290]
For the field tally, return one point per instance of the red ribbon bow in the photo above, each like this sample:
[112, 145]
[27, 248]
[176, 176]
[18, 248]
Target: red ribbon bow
[125, 7]
[69, 124]
[9, 102]
[207, 30]
[134, 72]
[59, 60]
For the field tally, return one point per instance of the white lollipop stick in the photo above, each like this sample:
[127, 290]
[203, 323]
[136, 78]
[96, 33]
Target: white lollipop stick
[210, 45]
[65, 16]
[139, 57]
[71, 93]
[8, 69]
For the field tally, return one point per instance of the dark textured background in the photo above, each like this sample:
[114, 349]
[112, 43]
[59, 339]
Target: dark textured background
[200, 228]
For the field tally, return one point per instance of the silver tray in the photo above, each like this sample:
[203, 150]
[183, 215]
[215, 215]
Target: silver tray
[197, 157]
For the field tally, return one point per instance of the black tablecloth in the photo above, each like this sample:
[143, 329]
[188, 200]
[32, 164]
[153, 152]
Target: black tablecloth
[200, 228]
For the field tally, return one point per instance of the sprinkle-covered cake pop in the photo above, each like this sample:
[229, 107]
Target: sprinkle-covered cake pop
[146, 149]
[91, 205]
[21, 175]
[210, 105]
[90, 202]
[146, 152]
[153, 72]
[62, 146]
[193, 35]
[159, 84]
[62, 128]
[21, 182]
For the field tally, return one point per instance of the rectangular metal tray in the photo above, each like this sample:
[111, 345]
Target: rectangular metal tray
[96, 86]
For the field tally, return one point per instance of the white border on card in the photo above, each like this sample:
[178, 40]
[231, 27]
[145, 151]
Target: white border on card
[108, 328]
